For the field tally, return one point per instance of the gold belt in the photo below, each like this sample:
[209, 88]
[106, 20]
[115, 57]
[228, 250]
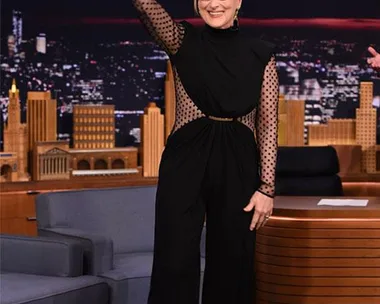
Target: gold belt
[221, 118]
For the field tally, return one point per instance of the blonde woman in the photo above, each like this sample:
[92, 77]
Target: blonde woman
[220, 158]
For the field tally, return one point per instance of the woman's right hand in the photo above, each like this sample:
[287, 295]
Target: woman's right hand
[374, 62]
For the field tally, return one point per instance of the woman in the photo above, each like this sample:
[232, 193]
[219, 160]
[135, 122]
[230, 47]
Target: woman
[375, 60]
[226, 88]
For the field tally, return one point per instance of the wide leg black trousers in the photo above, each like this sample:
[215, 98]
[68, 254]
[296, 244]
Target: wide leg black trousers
[213, 179]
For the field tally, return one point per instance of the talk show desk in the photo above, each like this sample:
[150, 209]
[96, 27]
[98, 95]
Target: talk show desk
[309, 254]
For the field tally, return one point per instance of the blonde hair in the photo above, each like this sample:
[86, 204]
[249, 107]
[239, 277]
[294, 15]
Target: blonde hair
[196, 8]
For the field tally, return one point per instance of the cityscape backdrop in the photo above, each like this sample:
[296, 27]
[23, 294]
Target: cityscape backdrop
[96, 53]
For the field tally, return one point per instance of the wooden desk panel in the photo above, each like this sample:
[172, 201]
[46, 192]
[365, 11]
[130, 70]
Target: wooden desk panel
[361, 188]
[309, 254]
[18, 226]
[17, 213]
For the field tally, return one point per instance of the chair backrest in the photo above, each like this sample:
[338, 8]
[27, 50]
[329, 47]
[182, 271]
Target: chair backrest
[309, 171]
[126, 215]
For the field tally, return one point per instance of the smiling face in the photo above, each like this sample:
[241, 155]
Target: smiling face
[218, 13]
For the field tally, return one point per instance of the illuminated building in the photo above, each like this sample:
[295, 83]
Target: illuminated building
[366, 127]
[89, 92]
[41, 43]
[350, 132]
[11, 42]
[291, 122]
[8, 167]
[170, 100]
[282, 139]
[17, 29]
[41, 120]
[334, 132]
[15, 141]
[106, 162]
[94, 126]
[152, 139]
[51, 161]
[1, 130]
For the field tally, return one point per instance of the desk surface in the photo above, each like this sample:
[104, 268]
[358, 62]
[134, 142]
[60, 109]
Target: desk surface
[307, 207]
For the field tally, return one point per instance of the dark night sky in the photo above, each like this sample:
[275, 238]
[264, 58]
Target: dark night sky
[42, 14]
[183, 8]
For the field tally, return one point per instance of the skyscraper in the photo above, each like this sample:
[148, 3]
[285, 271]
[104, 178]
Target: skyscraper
[169, 100]
[11, 45]
[94, 126]
[152, 139]
[15, 133]
[282, 119]
[366, 127]
[41, 43]
[41, 119]
[17, 29]
[291, 122]
[1, 130]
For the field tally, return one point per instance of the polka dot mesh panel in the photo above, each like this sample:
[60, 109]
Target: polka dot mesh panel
[249, 120]
[167, 33]
[263, 120]
[186, 110]
[266, 125]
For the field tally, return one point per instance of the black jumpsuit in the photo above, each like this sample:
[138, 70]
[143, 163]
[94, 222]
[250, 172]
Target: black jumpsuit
[222, 149]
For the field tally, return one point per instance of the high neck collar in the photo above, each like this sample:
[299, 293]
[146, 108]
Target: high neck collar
[223, 33]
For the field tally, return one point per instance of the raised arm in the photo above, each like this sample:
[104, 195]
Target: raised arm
[375, 60]
[167, 33]
[267, 127]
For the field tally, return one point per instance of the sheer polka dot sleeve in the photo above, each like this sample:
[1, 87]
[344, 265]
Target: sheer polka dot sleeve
[267, 127]
[166, 32]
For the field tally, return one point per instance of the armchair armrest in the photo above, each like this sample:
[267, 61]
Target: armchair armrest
[98, 249]
[41, 256]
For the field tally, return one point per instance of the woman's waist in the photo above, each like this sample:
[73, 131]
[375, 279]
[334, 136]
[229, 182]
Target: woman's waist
[208, 132]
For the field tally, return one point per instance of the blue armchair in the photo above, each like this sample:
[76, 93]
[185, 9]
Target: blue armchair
[116, 229]
[38, 270]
